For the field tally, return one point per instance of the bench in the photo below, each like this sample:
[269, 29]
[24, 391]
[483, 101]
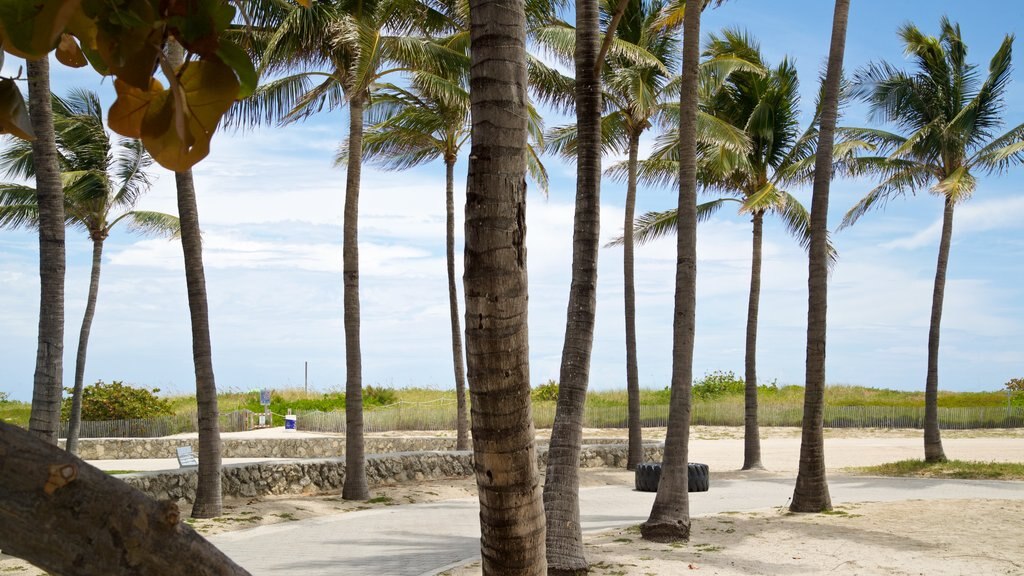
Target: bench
[187, 458]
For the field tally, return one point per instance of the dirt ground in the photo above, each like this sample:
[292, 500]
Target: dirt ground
[899, 538]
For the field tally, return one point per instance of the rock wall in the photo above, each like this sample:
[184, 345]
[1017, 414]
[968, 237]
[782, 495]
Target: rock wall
[319, 447]
[315, 476]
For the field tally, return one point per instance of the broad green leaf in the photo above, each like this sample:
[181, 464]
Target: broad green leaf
[14, 118]
[239, 61]
[126, 114]
[69, 53]
[30, 28]
[129, 40]
[198, 26]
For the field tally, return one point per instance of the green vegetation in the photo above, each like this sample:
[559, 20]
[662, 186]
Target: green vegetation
[546, 392]
[14, 412]
[960, 469]
[117, 401]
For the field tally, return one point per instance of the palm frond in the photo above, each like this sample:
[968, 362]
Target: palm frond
[130, 173]
[19, 207]
[148, 223]
[1002, 152]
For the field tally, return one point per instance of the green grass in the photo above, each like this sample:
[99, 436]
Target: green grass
[960, 469]
[116, 472]
[16, 413]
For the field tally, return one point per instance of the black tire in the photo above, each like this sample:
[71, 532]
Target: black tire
[648, 474]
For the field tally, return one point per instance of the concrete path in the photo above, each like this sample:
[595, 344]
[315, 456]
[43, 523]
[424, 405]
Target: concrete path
[423, 539]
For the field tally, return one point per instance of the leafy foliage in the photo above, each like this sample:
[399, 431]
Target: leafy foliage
[118, 401]
[546, 392]
[5, 397]
[127, 40]
[716, 384]
[1015, 385]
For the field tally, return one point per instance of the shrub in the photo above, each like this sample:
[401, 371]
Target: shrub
[378, 396]
[1015, 385]
[117, 401]
[5, 397]
[716, 384]
[546, 392]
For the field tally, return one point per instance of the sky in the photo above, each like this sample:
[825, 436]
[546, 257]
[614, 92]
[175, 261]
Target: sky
[270, 205]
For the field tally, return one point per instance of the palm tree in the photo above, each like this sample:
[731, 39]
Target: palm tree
[497, 344]
[424, 122]
[333, 54]
[763, 104]
[811, 492]
[950, 115]
[48, 380]
[209, 498]
[100, 191]
[670, 514]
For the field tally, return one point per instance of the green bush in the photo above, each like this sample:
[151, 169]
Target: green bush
[717, 384]
[379, 396]
[546, 392]
[5, 397]
[117, 401]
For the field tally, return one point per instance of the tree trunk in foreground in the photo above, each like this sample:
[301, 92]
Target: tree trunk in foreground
[670, 516]
[932, 439]
[565, 551]
[355, 487]
[751, 435]
[67, 517]
[636, 446]
[48, 381]
[811, 493]
[458, 354]
[75, 422]
[504, 453]
[209, 498]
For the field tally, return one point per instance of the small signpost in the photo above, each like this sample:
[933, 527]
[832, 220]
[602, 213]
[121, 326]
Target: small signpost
[266, 419]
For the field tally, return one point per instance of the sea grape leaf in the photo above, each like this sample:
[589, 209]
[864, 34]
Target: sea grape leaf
[30, 28]
[69, 53]
[126, 114]
[14, 118]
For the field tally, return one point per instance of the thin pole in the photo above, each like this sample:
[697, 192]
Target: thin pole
[305, 381]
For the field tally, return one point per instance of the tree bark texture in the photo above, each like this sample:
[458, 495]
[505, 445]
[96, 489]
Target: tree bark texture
[75, 423]
[208, 492]
[355, 487]
[751, 435]
[670, 515]
[67, 517]
[458, 354]
[209, 498]
[811, 493]
[636, 448]
[497, 345]
[48, 381]
[932, 439]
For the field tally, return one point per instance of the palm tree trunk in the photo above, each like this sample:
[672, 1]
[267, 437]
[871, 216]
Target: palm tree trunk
[751, 436]
[355, 487]
[561, 486]
[932, 439]
[497, 343]
[811, 493]
[636, 449]
[462, 420]
[208, 491]
[670, 515]
[75, 422]
[48, 380]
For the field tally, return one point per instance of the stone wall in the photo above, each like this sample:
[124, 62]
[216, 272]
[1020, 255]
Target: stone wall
[315, 476]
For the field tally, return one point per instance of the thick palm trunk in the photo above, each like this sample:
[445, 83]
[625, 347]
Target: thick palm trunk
[636, 449]
[48, 381]
[751, 436]
[209, 498]
[497, 344]
[75, 422]
[670, 516]
[932, 439]
[561, 485]
[811, 493]
[355, 487]
[208, 492]
[462, 422]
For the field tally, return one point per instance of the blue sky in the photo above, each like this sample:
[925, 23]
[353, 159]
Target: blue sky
[271, 203]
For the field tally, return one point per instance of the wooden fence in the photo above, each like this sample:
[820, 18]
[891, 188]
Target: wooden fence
[442, 415]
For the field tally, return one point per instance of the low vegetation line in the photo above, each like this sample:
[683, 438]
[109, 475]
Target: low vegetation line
[958, 469]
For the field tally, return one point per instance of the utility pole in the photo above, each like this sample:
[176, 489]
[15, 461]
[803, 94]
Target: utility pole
[305, 380]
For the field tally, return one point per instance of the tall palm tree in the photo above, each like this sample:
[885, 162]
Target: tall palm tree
[811, 492]
[497, 344]
[426, 121]
[209, 498]
[950, 115]
[332, 54]
[48, 380]
[763, 103]
[670, 515]
[100, 191]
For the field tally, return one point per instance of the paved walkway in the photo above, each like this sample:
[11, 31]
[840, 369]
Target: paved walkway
[424, 539]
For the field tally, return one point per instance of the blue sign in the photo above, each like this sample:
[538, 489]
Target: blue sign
[265, 397]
